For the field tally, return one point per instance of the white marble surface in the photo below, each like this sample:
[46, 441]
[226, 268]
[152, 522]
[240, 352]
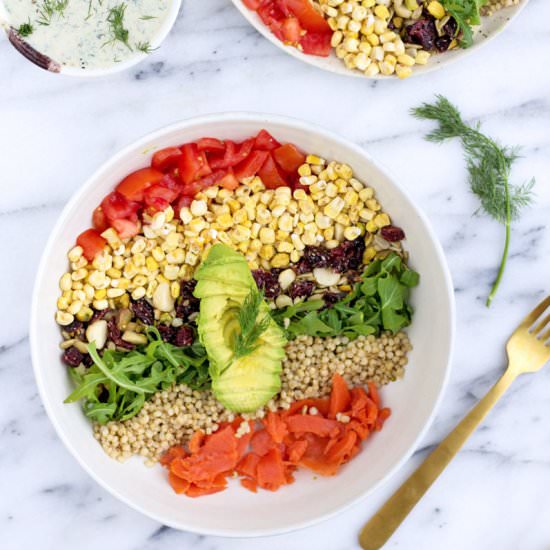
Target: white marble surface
[54, 131]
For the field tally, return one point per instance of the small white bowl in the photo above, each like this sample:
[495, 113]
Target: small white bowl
[490, 27]
[237, 512]
[55, 67]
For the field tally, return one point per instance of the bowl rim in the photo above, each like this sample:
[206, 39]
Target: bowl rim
[342, 70]
[159, 38]
[139, 143]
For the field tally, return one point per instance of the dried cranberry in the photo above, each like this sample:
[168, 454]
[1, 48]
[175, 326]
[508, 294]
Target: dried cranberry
[332, 298]
[450, 28]
[115, 335]
[187, 303]
[317, 256]
[348, 255]
[74, 329]
[144, 311]
[72, 357]
[267, 282]
[99, 314]
[442, 43]
[167, 333]
[184, 336]
[423, 32]
[299, 289]
[392, 233]
[302, 266]
[87, 360]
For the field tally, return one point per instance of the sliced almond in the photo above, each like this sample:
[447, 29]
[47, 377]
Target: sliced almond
[97, 332]
[326, 277]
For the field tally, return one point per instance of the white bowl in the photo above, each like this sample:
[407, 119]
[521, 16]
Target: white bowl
[490, 27]
[237, 512]
[55, 67]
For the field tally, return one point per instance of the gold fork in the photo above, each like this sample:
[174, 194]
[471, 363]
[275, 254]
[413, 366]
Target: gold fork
[528, 351]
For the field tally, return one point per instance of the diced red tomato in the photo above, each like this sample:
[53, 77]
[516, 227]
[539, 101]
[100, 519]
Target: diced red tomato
[91, 242]
[251, 165]
[309, 17]
[116, 206]
[184, 200]
[271, 175]
[252, 4]
[316, 43]
[211, 145]
[269, 12]
[265, 141]
[166, 159]
[159, 196]
[288, 157]
[133, 185]
[234, 154]
[292, 31]
[126, 228]
[229, 181]
[99, 220]
[192, 164]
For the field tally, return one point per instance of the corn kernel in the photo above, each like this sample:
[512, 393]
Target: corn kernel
[436, 9]
[314, 159]
[114, 273]
[371, 227]
[114, 292]
[63, 318]
[402, 71]
[267, 235]
[369, 254]
[267, 252]
[381, 11]
[138, 293]
[334, 207]
[175, 289]
[84, 315]
[351, 233]
[382, 220]
[422, 57]
[280, 260]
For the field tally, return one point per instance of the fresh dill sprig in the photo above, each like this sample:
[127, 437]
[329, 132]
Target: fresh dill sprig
[489, 166]
[251, 327]
[144, 47]
[148, 17]
[116, 21]
[25, 29]
[49, 8]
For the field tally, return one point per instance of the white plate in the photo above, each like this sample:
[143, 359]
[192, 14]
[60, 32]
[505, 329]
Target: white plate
[237, 512]
[490, 27]
[55, 67]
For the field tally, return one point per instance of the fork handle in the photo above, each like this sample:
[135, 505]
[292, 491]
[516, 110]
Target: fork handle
[383, 524]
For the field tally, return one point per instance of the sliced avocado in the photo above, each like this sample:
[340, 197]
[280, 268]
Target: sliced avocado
[246, 383]
[249, 383]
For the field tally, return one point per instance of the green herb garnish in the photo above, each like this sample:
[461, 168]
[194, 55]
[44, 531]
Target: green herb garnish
[251, 328]
[144, 47]
[148, 17]
[489, 166]
[117, 385]
[465, 13]
[378, 302]
[116, 21]
[49, 8]
[25, 29]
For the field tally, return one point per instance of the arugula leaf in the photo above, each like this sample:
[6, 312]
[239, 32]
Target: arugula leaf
[117, 385]
[466, 13]
[377, 302]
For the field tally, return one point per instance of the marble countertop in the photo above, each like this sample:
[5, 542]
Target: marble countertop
[54, 131]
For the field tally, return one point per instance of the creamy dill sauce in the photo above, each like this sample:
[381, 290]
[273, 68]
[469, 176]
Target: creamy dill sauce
[80, 35]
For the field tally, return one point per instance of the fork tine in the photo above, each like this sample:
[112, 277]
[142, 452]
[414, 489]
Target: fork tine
[545, 336]
[536, 313]
[540, 326]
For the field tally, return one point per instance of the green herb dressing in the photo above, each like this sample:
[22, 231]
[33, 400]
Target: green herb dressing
[80, 35]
